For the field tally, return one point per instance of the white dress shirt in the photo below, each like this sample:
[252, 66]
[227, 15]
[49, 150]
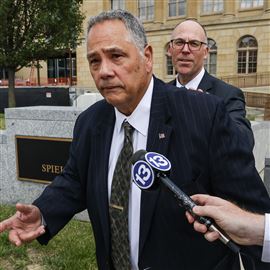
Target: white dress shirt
[266, 242]
[194, 83]
[139, 119]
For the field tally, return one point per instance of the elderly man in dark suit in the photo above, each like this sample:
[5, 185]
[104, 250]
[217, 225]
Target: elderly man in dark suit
[192, 129]
[189, 48]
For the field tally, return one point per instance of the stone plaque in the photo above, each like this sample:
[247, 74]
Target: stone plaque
[41, 159]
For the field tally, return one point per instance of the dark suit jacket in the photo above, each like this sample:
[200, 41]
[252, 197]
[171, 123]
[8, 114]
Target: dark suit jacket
[233, 98]
[207, 155]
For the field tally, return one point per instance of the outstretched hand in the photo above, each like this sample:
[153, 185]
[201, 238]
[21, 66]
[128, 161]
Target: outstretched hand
[24, 226]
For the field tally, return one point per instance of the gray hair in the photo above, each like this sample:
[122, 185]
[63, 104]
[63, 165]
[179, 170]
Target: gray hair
[132, 24]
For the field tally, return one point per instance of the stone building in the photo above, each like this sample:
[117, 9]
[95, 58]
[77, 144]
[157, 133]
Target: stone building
[238, 32]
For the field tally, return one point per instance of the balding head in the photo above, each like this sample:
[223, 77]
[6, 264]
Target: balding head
[195, 30]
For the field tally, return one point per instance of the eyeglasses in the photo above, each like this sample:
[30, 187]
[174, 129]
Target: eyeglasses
[193, 45]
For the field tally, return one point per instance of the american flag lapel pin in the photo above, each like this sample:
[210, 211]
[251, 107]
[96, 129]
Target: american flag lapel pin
[161, 135]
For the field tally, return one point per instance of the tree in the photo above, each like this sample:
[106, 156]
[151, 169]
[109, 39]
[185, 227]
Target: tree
[32, 30]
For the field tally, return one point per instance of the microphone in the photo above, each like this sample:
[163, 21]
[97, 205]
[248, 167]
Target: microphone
[150, 165]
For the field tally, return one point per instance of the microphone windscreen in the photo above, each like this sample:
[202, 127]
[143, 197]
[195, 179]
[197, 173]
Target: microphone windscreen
[138, 155]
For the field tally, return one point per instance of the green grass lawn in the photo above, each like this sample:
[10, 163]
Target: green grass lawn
[2, 121]
[73, 248]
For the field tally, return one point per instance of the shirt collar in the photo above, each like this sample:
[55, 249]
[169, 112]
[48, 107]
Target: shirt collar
[139, 118]
[194, 83]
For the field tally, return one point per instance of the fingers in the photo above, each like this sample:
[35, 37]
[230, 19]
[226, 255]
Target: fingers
[189, 217]
[199, 227]
[25, 208]
[209, 211]
[208, 235]
[203, 199]
[14, 238]
[211, 236]
[208, 206]
[19, 237]
[199, 90]
[28, 236]
[7, 224]
[28, 213]
[24, 226]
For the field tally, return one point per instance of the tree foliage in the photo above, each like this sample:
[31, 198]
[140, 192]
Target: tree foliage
[36, 30]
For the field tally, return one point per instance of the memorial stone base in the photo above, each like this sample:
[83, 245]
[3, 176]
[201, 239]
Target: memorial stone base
[58, 122]
[40, 121]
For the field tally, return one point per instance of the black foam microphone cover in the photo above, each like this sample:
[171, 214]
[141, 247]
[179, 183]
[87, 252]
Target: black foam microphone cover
[138, 155]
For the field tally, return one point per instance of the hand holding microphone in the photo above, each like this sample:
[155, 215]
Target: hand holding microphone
[150, 165]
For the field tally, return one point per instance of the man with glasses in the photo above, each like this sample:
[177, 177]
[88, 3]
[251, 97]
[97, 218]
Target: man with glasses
[188, 49]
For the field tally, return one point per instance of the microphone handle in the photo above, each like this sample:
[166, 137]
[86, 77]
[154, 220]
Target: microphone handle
[188, 204]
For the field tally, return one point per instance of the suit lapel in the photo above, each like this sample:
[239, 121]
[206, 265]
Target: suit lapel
[102, 145]
[206, 83]
[173, 82]
[159, 132]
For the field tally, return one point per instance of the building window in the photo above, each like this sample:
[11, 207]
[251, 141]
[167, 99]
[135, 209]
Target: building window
[170, 70]
[169, 65]
[146, 10]
[118, 4]
[59, 70]
[212, 6]
[247, 55]
[210, 64]
[251, 3]
[177, 8]
[3, 74]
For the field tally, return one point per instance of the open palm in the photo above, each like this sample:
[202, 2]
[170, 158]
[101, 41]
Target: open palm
[24, 226]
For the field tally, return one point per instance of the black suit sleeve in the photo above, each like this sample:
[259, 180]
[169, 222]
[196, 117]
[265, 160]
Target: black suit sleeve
[235, 105]
[63, 197]
[233, 174]
[234, 100]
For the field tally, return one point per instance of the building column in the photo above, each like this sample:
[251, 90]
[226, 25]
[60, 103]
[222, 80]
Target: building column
[229, 8]
[159, 10]
[106, 5]
[192, 9]
[267, 6]
[132, 7]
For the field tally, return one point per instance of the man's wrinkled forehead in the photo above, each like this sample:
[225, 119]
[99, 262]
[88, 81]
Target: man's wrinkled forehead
[105, 50]
[107, 28]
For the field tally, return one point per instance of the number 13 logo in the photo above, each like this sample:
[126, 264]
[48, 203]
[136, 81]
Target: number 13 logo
[142, 174]
[158, 161]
